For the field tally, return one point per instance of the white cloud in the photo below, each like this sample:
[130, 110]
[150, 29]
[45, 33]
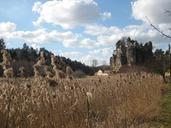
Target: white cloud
[154, 10]
[7, 27]
[88, 43]
[108, 36]
[102, 36]
[41, 36]
[68, 13]
[74, 55]
[37, 7]
[106, 15]
[97, 30]
[101, 55]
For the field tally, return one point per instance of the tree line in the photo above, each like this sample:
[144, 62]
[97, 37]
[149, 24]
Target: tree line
[27, 56]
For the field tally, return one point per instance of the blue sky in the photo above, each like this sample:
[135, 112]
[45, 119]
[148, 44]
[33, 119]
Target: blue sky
[82, 29]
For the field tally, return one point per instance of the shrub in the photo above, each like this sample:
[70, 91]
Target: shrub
[79, 74]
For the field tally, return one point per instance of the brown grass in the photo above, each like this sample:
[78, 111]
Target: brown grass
[6, 64]
[120, 101]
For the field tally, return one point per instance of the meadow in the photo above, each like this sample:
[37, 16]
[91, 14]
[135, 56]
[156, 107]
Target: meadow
[116, 101]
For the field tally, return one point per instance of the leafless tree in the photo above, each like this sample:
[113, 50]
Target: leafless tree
[94, 62]
[157, 29]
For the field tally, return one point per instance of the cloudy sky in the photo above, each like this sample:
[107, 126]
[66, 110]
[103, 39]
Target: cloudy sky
[83, 29]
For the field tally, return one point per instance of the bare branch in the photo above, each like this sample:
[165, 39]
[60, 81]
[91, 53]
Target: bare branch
[157, 29]
[168, 12]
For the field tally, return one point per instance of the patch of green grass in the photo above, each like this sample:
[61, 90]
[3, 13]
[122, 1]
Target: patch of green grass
[166, 108]
[165, 117]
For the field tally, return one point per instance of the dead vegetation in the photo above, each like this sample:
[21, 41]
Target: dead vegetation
[59, 74]
[6, 64]
[39, 67]
[50, 101]
[120, 101]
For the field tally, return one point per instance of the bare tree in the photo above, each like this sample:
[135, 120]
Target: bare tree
[94, 62]
[168, 12]
[157, 29]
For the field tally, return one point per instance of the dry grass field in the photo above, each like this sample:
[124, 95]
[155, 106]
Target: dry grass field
[118, 101]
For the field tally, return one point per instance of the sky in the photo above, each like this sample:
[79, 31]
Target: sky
[83, 30]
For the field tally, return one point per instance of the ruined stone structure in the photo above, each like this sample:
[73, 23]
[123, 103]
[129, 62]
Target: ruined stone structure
[116, 61]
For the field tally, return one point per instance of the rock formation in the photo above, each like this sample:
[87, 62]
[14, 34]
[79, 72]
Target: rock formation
[119, 55]
[130, 54]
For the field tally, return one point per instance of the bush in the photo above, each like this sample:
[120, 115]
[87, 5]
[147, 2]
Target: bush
[79, 74]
